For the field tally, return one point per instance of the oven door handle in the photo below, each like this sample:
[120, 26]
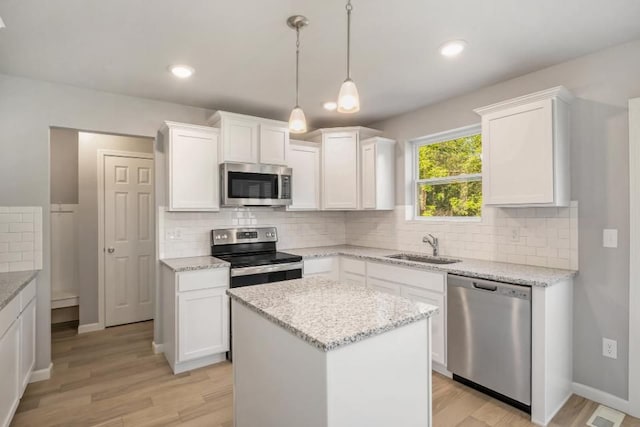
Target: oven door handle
[260, 269]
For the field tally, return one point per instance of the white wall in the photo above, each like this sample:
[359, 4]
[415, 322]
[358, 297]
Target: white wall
[64, 166]
[602, 82]
[28, 108]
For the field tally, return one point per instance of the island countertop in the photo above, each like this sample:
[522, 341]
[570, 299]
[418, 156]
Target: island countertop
[329, 314]
[518, 274]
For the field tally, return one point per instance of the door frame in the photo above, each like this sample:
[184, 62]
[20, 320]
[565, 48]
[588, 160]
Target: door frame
[634, 256]
[102, 154]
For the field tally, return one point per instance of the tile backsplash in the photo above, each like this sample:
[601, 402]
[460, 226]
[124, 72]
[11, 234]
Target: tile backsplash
[546, 237]
[20, 238]
[189, 233]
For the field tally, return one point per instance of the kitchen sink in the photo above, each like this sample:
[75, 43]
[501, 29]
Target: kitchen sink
[424, 258]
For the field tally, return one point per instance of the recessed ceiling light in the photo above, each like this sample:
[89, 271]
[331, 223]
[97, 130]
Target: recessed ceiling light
[330, 106]
[2, 23]
[453, 48]
[181, 71]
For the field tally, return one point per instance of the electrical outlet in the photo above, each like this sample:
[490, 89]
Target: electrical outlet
[610, 238]
[174, 234]
[515, 234]
[609, 348]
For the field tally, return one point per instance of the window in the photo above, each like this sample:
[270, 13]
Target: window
[448, 174]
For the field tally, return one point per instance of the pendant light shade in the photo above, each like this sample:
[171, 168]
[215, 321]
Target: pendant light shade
[297, 119]
[348, 98]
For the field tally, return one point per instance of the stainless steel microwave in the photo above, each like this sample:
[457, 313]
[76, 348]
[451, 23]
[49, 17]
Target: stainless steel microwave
[255, 185]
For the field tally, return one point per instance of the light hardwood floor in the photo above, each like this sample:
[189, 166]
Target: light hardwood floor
[112, 378]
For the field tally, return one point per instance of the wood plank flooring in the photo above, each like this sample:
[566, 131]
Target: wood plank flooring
[112, 378]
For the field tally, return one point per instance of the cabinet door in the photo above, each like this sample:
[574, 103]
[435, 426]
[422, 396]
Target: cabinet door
[193, 170]
[274, 144]
[368, 178]
[384, 286]
[9, 373]
[240, 140]
[437, 321]
[27, 343]
[304, 160]
[203, 323]
[340, 170]
[518, 155]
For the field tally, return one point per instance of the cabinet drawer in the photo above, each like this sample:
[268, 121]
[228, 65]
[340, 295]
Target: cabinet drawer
[353, 266]
[27, 294]
[8, 314]
[407, 276]
[319, 265]
[202, 279]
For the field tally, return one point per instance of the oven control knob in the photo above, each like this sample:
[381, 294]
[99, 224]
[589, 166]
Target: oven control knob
[224, 236]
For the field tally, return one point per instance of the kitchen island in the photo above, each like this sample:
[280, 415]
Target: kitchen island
[316, 352]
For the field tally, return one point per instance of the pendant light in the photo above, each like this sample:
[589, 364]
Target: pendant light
[348, 98]
[297, 120]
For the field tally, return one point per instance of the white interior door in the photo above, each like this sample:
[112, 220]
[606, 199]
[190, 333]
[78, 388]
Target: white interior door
[129, 239]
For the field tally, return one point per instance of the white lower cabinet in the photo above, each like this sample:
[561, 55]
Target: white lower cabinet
[437, 321]
[417, 285]
[327, 267]
[9, 378]
[17, 349]
[195, 317]
[353, 271]
[203, 323]
[27, 344]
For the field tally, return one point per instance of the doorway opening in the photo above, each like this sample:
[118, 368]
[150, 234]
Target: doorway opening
[102, 229]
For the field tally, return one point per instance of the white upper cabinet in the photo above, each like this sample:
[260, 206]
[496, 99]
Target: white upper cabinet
[304, 160]
[274, 144]
[377, 159]
[526, 150]
[340, 165]
[192, 175]
[247, 139]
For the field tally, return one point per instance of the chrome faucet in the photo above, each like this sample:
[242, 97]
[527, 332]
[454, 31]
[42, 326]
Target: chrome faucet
[433, 241]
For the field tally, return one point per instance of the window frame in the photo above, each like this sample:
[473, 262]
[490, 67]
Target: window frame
[437, 138]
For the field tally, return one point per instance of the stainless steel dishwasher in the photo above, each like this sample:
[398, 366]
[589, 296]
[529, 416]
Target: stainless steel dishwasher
[489, 337]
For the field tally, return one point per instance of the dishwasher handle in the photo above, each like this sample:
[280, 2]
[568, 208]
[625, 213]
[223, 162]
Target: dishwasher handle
[484, 286]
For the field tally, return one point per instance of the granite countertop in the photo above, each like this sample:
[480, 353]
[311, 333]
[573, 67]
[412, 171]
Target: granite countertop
[329, 314]
[194, 263]
[12, 283]
[500, 271]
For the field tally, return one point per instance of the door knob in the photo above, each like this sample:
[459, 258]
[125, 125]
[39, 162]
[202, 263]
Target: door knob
[111, 250]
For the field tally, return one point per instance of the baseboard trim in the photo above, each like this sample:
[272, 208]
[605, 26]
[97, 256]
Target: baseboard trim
[157, 348]
[89, 327]
[553, 414]
[601, 397]
[41, 374]
[441, 369]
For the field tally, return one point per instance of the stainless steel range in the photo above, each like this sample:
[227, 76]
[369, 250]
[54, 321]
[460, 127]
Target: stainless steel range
[254, 259]
[253, 256]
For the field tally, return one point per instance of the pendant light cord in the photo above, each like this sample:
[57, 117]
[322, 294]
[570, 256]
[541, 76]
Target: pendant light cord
[297, 63]
[349, 8]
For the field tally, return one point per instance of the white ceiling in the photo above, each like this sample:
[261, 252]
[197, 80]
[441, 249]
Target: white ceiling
[243, 52]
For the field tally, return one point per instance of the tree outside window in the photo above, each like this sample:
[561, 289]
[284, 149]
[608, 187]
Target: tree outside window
[449, 177]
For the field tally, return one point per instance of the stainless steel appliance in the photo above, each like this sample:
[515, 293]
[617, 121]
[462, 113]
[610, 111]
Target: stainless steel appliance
[489, 337]
[253, 256]
[245, 184]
